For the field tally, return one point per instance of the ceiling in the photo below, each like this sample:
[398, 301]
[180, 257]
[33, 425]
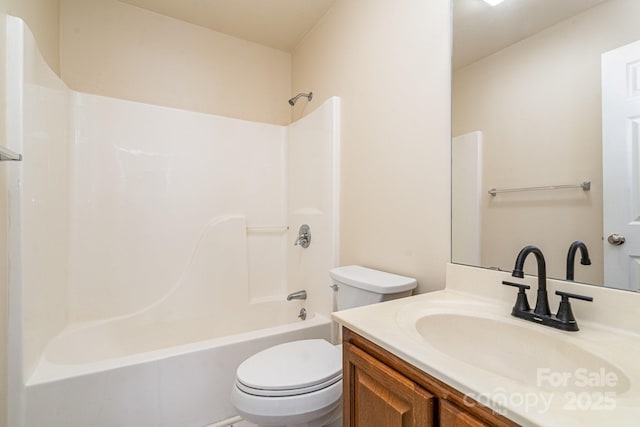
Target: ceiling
[478, 28]
[280, 24]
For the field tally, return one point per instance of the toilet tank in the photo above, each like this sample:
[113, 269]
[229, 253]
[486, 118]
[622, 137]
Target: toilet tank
[357, 286]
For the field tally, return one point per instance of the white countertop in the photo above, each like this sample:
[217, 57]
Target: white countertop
[605, 331]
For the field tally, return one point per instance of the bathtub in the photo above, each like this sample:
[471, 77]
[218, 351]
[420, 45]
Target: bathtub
[121, 373]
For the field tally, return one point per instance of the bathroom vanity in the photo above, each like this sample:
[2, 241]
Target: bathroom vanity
[381, 389]
[457, 357]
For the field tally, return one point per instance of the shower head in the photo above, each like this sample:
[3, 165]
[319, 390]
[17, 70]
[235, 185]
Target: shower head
[293, 100]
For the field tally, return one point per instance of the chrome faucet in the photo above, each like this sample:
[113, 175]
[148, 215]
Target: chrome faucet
[297, 295]
[571, 256]
[564, 319]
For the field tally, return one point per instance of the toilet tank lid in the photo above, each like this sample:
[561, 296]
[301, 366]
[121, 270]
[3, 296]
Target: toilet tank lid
[372, 280]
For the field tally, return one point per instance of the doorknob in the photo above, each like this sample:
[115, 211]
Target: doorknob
[616, 239]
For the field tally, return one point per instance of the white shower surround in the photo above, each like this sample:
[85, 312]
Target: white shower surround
[161, 225]
[147, 184]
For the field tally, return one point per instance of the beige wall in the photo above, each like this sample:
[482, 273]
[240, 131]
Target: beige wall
[114, 49]
[538, 106]
[389, 63]
[43, 19]
[4, 279]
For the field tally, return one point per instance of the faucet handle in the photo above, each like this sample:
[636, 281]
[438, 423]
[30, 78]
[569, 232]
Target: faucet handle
[304, 236]
[516, 285]
[564, 310]
[522, 303]
[565, 295]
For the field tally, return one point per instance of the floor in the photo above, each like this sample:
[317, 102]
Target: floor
[242, 423]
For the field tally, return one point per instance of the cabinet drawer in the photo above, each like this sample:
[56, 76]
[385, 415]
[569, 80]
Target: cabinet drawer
[452, 416]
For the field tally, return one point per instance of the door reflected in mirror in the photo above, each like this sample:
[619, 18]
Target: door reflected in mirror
[527, 92]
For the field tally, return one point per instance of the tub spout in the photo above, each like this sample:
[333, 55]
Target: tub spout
[297, 295]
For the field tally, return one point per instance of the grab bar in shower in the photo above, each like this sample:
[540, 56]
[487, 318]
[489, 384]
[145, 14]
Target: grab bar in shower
[268, 229]
[8, 155]
[586, 186]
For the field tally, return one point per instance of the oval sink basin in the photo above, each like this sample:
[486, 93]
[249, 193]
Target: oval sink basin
[522, 354]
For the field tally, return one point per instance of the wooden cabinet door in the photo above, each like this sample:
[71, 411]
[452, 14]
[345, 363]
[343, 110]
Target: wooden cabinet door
[452, 416]
[375, 395]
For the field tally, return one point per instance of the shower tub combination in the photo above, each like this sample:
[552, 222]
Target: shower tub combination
[180, 385]
[169, 250]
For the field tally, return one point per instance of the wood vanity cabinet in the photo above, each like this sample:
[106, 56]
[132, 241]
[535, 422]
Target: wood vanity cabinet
[382, 390]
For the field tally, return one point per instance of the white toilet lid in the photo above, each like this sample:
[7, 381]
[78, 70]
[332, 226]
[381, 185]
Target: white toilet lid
[291, 368]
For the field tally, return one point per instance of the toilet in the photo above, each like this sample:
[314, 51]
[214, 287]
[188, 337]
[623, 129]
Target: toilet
[299, 383]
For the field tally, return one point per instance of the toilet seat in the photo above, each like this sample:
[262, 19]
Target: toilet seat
[291, 369]
[296, 383]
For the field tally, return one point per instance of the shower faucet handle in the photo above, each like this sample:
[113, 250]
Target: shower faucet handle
[304, 236]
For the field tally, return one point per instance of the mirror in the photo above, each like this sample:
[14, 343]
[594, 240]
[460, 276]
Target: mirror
[527, 113]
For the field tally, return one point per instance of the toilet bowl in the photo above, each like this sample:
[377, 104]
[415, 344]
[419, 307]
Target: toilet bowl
[299, 383]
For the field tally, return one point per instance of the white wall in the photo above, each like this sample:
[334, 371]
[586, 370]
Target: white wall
[146, 182]
[390, 64]
[538, 105]
[114, 49]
